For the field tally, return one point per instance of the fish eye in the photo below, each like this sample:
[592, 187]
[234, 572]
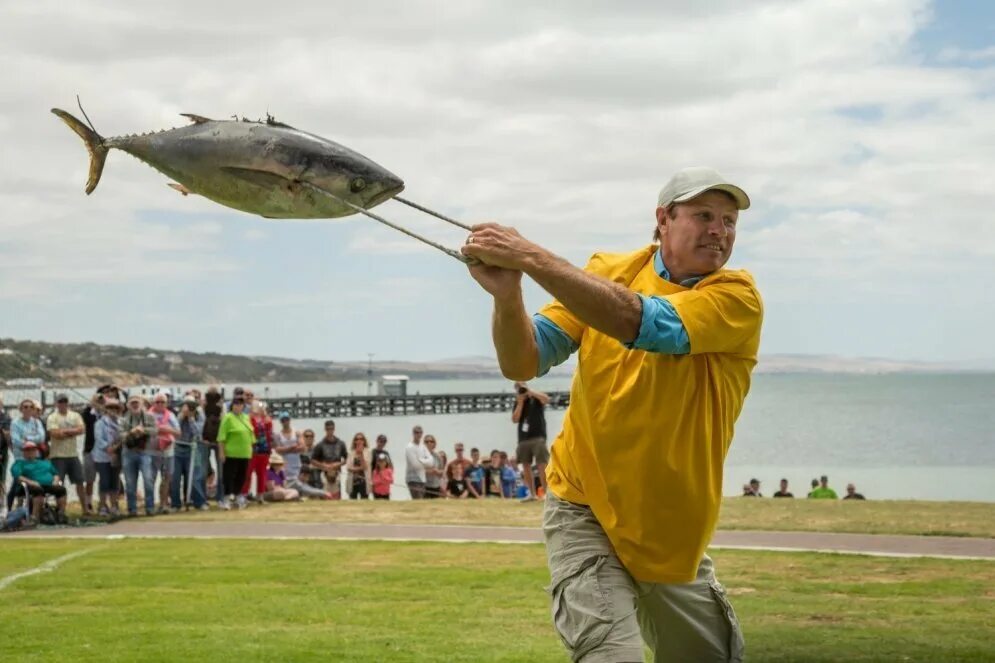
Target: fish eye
[357, 184]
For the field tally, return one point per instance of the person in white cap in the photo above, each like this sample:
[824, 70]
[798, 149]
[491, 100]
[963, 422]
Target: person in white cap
[667, 340]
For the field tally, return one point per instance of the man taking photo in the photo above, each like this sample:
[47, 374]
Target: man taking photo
[530, 416]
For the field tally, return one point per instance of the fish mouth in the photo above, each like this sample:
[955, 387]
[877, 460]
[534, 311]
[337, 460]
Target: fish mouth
[388, 193]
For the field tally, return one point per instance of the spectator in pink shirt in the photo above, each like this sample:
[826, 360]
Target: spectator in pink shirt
[383, 477]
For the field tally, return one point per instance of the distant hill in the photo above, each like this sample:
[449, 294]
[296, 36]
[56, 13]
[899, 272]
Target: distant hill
[92, 363]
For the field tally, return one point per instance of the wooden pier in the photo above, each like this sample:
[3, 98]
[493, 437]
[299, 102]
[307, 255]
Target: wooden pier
[328, 407]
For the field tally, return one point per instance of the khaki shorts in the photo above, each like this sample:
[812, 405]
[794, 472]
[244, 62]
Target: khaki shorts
[602, 614]
[532, 449]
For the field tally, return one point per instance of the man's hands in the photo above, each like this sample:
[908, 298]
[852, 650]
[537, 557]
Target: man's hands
[500, 246]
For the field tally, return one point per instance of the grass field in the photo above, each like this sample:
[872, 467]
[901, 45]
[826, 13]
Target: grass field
[230, 600]
[878, 517]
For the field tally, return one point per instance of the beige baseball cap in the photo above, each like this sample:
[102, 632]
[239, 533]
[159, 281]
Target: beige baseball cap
[689, 183]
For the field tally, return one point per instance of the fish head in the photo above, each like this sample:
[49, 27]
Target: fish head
[355, 178]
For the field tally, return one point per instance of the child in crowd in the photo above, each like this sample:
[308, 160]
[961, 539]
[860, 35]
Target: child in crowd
[458, 487]
[383, 477]
[475, 473]
[492, 476]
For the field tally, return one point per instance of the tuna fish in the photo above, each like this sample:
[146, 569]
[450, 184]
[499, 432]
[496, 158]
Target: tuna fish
[265, 168]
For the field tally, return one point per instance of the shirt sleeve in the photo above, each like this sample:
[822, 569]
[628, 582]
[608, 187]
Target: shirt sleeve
[554, 344]
[722, 317]
[661, 329]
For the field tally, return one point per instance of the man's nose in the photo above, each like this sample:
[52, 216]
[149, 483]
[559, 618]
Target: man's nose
[717, 228]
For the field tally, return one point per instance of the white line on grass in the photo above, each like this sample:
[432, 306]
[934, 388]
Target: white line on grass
[47, 567]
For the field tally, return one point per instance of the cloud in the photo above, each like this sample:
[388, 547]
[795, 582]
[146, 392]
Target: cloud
[867, 166]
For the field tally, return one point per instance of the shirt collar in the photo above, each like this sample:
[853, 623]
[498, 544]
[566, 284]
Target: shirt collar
[664, 273]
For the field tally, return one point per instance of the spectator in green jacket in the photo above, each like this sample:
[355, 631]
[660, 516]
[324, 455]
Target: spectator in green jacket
[36, 478]
[236, 437]
[823, 492]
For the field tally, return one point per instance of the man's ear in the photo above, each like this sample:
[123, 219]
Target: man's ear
[661, 222]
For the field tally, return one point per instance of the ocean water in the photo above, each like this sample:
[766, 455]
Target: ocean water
[901, 436]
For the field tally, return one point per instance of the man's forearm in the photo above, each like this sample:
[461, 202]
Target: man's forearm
[514, 339]
[608, 307]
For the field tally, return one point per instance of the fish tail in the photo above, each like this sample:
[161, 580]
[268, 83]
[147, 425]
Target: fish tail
[94, 145]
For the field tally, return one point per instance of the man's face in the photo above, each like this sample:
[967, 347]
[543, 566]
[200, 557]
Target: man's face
[755, 486]
[26, 410]
[850, 489]
[495, 459]
[134, 405]
[381, 442]
[248, 395]
[784, 485]
[824, 481]
[459, 451]
[62, 406]
[30, 454]
[329, 432]
[416, 434]
[697, 237]
[475, 456]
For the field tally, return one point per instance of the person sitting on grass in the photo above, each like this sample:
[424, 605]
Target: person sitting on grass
[382, 477]
[36, 478]
[852, 494]
[275, 479]
[823, 492]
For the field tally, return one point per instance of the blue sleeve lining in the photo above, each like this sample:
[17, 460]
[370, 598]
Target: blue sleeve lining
[554, 344]
[661, 329]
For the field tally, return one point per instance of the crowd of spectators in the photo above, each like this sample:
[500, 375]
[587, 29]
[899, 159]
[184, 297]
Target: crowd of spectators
[163, 456]
[820, 490]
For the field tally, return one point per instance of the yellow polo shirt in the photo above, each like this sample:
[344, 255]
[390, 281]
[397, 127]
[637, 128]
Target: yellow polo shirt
[646, 434]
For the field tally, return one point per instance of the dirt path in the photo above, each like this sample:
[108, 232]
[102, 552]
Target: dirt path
[868, 544]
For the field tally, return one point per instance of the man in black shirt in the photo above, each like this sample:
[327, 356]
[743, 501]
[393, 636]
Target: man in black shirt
[328, 456]
[784, 490]
[381, 451]
[530, 416]
[852, 494]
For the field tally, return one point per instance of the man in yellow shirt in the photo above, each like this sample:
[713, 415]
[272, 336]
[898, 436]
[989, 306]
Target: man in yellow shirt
[667, 340]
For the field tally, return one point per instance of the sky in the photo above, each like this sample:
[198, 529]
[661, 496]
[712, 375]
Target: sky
[863, 131]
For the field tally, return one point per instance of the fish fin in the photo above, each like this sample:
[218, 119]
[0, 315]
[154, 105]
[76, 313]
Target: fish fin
[262, 178]
[94, 145]
[273, 122]
[197, 119]
[179, 187]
